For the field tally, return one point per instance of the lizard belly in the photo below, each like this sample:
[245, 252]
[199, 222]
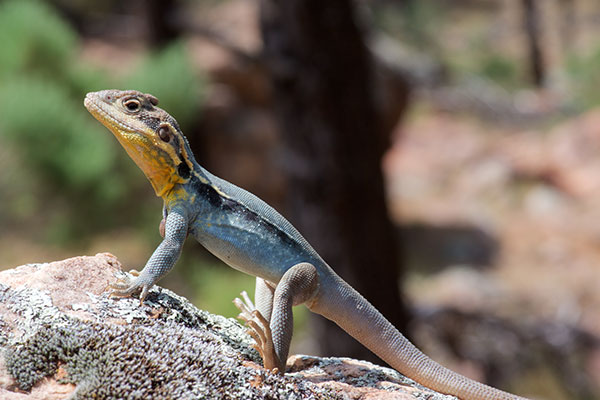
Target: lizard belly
[255, 250]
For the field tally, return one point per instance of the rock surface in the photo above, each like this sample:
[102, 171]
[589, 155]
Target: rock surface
[62, 337]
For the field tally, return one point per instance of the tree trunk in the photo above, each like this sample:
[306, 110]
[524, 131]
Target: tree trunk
[161, 27]
[532, 29]
[322, 76]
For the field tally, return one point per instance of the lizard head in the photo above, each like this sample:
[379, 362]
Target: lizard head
[150, 136]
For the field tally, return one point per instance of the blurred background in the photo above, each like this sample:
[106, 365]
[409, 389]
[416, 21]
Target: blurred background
[443, 157]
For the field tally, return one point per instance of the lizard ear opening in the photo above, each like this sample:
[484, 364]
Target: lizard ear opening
[164, 133]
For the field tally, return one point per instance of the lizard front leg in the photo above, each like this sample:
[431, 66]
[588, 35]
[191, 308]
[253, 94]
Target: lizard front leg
[273, 334]
[161, 261]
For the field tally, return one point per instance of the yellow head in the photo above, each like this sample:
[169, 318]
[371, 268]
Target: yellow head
[150, 135]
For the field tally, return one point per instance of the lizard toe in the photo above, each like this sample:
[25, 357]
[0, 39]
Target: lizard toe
[127, 287]
[259, 330]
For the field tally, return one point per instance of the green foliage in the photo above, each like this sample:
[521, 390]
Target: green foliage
[53, 133]
[421, 22]
[415, 23]
[73, 176]
[584, 73]
[429, 27]
[499, 69]
[41, 115]
[38, 111]
[217, 285]
[33, 37]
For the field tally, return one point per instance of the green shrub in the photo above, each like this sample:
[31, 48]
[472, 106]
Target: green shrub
[54, 134]
[584, 75]
[79, 178]
[499, 69]
[33, 38]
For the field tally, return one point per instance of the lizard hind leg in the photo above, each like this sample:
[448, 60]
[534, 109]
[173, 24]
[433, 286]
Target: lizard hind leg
[273, 335]
[263, 297]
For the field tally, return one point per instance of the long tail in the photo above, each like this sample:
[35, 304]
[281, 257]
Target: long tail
[354, 314]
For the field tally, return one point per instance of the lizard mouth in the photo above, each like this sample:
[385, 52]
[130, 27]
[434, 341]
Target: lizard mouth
[131, 137]
[97, 108]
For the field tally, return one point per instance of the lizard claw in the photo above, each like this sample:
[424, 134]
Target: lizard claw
[259, 330]
[126, 286]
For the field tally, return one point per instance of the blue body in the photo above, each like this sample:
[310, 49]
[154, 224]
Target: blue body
[242, 230]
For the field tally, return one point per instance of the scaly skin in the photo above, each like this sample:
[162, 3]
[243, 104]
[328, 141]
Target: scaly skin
[249, 235]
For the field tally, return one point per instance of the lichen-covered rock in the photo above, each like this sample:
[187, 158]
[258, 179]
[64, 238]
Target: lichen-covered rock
[61, 337]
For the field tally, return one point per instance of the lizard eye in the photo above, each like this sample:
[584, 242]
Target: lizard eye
[164, 133]
[132, 105]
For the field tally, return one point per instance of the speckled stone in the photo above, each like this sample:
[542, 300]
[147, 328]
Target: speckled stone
[61, 336]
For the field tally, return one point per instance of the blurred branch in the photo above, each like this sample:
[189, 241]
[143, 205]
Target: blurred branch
[487, 100]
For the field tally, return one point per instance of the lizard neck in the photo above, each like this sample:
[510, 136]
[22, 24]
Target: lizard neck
[199, 187]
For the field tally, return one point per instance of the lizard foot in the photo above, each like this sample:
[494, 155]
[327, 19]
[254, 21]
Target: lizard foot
[126, 286]
[259, 330]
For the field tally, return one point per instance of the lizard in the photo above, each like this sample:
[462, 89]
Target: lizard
[250, 236]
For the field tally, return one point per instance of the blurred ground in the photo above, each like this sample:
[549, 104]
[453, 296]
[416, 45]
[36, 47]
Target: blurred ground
[532, 191]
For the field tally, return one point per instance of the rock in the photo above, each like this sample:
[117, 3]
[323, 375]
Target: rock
[62, 336]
